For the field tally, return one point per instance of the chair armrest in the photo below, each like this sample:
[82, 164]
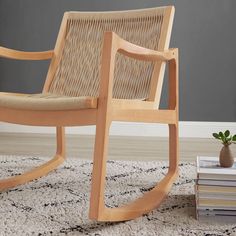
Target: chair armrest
[111, 45]
[141, 53]
[21, 55]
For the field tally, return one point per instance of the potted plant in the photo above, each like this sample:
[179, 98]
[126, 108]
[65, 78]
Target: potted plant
[226, 157]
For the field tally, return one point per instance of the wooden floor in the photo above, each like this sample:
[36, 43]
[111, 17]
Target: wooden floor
[121, 147]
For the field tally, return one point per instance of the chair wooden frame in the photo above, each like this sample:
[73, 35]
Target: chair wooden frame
[108, 110]
[142, 111]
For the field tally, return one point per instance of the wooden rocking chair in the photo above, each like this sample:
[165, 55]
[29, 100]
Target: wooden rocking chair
[106, 66]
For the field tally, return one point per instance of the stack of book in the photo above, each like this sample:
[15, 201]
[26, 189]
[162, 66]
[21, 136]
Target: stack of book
[215, 189]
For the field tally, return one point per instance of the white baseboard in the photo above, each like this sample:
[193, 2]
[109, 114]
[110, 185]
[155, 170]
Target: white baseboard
[186, 129]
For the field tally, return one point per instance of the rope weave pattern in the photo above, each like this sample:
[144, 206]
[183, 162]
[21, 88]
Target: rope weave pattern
[79, 68]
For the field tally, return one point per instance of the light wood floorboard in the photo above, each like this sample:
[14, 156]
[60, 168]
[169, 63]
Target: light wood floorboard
[120, 148]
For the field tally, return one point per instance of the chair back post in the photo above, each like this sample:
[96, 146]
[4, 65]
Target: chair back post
[110, 47]
[159, 68]
[173, 93]
[57, 53]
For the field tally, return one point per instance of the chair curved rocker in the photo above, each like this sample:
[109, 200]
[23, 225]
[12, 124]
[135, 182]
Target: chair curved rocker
[106, 66]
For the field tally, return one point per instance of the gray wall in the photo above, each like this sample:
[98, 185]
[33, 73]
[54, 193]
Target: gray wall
[204, 31]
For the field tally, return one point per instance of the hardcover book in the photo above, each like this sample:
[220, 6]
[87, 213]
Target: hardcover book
[216, 182]
[215, 190]
[216, 202]
[209, 168]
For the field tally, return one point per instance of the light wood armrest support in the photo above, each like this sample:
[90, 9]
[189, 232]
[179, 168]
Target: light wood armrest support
[21, 55]
[141, 53]
[113, 43]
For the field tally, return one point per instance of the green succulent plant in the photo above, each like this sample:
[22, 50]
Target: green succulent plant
[225, 137]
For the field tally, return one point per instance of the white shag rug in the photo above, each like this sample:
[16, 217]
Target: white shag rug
[58, 203]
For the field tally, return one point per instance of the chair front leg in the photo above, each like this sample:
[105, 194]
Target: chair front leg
[97, 205]
[173, 147]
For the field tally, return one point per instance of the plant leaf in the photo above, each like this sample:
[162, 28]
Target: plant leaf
[221, 134]
[215, 135]
[234, 138]
[227, 133]
[228, 139]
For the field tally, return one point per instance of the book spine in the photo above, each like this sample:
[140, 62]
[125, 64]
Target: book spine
[196, 201]
[216, 189]
[216, 183]
[216, 213]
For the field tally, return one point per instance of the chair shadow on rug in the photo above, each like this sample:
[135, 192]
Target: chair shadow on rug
[106, 66]
[186, 202]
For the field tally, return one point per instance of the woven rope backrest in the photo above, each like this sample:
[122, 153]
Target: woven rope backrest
[78, 71]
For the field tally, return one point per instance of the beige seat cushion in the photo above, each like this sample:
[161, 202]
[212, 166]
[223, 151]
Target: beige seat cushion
[45, 101]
